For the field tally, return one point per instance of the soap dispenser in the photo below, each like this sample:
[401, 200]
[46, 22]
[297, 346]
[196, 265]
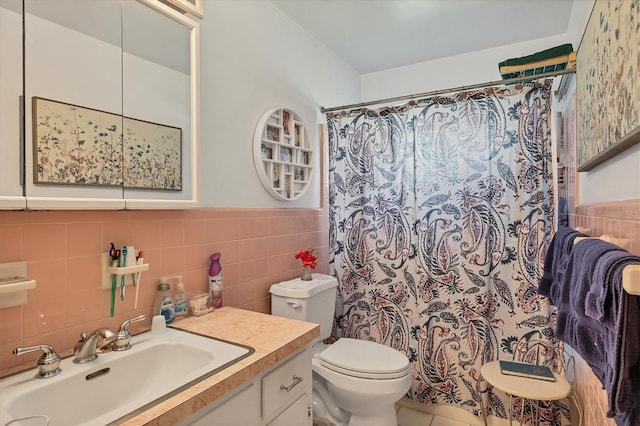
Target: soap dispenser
[181, 301]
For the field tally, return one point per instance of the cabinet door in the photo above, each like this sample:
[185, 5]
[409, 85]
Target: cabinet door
[11, 89]
[110, 110]
[297, 414]
[241, 409]
[286, 383]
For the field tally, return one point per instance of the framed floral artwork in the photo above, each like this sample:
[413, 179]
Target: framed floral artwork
[607, 83]
[75, 145]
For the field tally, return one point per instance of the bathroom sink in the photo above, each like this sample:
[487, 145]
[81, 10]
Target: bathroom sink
[117, 385]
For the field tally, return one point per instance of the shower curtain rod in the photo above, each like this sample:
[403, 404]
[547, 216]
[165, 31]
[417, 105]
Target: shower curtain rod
[453, 89]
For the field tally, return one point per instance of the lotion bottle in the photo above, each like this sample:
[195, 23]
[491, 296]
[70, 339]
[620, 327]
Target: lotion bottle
[180, 300]
[164, 303]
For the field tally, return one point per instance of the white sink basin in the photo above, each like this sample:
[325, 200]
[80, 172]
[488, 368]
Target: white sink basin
[117, 385]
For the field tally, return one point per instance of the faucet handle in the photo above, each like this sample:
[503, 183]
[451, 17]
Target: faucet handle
[123, 339]
[48, 364]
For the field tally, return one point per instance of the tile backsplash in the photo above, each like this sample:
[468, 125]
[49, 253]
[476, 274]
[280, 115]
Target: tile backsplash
[64, 254]
[619, 220]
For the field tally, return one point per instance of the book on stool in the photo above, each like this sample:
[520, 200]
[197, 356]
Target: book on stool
[530, 371]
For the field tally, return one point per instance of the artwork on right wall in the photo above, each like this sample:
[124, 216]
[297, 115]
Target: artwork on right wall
[608, 82]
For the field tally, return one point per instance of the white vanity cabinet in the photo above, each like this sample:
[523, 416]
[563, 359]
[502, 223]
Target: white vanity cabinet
[286, 391]
[279, 396]
[241, 407]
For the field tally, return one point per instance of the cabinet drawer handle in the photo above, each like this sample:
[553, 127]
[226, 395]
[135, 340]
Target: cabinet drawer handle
[296, 380]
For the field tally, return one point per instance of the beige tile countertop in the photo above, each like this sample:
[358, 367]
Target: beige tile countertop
[273, 338]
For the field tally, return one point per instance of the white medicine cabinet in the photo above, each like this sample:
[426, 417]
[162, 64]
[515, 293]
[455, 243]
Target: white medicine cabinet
[111, 95]
[282, 155]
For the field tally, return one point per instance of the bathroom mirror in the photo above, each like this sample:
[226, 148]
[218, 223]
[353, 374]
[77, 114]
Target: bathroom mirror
[11, 195]
[160, 86]
[72, 59]
[118, 79]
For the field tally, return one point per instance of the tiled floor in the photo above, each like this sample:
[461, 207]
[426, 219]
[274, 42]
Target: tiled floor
[410, 417]
[411, 414]
[440, 416]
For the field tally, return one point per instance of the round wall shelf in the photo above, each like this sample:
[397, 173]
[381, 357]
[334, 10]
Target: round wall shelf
[282, 155]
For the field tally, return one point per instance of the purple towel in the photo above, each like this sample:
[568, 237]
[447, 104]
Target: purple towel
[555, 262]
[587, 336]
[584, 258]
[622, 324]
[588, 339]
[600, 321]
[601, 301]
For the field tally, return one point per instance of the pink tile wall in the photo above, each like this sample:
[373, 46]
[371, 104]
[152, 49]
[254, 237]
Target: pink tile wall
[63, 251]
[619, 220]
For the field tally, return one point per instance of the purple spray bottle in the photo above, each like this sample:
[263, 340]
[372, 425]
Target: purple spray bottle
[215, 281]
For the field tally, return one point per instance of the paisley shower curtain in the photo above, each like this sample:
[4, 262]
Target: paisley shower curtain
[440, 212]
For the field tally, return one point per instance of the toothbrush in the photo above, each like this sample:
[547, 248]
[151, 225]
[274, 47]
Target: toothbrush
[122, 279]
[114, 262]
[136, 283]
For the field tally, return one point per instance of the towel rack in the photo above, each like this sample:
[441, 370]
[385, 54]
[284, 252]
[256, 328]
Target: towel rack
[630, 273]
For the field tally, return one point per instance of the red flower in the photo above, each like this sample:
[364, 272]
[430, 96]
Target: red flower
[308, 257]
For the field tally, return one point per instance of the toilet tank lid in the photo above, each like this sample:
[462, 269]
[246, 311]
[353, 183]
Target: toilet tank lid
[300, 289]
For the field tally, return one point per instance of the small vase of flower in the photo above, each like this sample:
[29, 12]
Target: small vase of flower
[308, 258]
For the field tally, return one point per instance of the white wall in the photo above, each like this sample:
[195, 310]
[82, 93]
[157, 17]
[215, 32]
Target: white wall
[467, 69]
[254, 58]
[454, 71]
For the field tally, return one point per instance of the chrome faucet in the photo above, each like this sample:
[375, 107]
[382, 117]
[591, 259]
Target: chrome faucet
[88, 346]
[48, 363]
[121, 342]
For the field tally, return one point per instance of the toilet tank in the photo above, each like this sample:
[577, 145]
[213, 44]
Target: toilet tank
[312, 301]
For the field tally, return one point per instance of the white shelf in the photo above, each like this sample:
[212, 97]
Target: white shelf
[282, 155]
[14, 284]
[124, 270]
[108, 272]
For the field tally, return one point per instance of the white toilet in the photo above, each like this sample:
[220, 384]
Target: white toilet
[355, 382]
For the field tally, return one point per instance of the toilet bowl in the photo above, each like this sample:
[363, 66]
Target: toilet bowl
[355, 382]
[365, 379]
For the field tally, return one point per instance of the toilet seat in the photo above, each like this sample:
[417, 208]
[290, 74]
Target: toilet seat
[364, 359]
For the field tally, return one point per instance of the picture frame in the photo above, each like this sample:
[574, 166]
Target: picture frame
[276, 176]
[75, 145]
[286, 121]
[267, 152]
[273, 133]
[194, 7]
[608, 92]
[285, 154]
[298, 130]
